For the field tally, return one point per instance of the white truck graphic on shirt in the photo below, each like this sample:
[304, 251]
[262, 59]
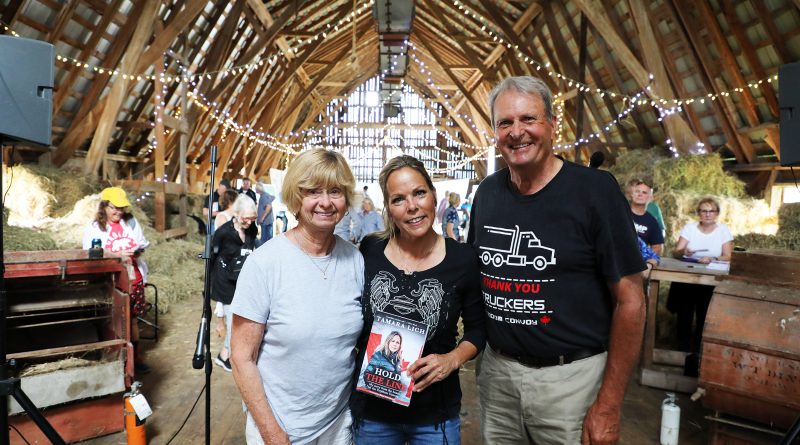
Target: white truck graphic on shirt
[515, 248]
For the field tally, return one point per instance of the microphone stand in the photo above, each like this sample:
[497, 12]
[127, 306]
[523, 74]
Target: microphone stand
[12, 386]
[203, 335]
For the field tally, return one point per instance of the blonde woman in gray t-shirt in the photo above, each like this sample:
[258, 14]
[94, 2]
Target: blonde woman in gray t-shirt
[297, 314]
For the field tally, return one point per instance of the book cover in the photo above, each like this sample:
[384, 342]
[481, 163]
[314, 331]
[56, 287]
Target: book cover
[394, 344]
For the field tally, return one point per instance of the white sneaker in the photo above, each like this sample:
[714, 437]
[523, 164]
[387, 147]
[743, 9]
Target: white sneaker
[225, 364]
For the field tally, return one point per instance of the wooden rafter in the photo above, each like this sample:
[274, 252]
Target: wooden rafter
[108, 119]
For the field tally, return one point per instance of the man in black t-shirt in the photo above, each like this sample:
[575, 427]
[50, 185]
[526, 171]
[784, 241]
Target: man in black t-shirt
[560, 274]
[247, 190]
[646, 224]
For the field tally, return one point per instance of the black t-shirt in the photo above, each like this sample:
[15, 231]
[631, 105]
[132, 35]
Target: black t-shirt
[648, 229]
[214, 198]
[226, 245]
[453, 287]
[546, 259]
[250, 194]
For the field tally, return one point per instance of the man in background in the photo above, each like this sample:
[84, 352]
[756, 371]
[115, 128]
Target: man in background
[264, 216]
[247, 190]
[646, 225]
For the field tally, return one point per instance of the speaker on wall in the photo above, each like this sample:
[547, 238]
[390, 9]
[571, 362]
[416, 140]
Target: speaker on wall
[26, 89]
[789, 101]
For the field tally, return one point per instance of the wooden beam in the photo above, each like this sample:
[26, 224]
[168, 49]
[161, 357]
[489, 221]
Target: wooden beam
[711, 26]
[179, 22]
[160, 217]
[64, 16]
[676, 77]
[737, 28]
[741, 147]
[767, 20]
[10, 12]
[85, 119]
[678, 131]
[773, 139]
[478, 108]
[278, 86]
[108, 119]
[613, 72]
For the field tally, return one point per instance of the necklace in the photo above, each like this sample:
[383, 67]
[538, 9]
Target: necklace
[409, 270]
[323, 271]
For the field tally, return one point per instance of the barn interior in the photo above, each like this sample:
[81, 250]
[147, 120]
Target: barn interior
[694, 97]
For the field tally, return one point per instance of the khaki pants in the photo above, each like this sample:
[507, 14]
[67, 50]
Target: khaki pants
[520, 404]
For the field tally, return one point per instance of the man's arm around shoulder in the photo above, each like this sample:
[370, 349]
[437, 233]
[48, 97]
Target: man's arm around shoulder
[601, 425]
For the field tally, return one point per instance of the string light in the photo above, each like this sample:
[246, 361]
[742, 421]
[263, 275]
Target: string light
[237, 69]
[664, 102]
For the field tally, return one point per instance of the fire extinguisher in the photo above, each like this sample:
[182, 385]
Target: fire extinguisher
[670, 420]
[134, 426]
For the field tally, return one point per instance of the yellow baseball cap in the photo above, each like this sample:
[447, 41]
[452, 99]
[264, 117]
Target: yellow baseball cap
[116, 196]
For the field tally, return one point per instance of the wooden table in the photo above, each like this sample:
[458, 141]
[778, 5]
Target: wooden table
[681, 272]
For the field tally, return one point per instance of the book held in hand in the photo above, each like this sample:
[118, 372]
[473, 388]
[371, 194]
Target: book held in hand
[394, 344]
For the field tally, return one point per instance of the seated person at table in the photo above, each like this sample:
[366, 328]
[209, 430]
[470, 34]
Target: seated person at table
[703, 241]
[647, 228]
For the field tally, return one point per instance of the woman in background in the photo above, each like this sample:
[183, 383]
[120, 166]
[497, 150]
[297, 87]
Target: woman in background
[225, 213]
[703, 241]
[451, 221]
[367, 220]
[120, 233]
[232, 240]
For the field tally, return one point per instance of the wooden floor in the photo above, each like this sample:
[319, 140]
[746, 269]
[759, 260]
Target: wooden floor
[172, 387]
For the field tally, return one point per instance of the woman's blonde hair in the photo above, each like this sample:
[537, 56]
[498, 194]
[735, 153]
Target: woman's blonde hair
[317, 168]
[392, 166]
[454, 199]
[707, 200]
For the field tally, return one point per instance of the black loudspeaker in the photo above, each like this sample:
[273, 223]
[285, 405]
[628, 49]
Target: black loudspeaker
[789, 99]
[26, 90]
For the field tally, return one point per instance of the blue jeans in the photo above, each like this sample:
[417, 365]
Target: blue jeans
[266, 232]
[379, 433]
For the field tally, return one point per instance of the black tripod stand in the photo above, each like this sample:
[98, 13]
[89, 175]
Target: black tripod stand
[11, 386]
[202, 352]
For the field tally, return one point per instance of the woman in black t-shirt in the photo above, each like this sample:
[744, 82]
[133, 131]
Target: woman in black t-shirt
[412, 272]
[232, 241]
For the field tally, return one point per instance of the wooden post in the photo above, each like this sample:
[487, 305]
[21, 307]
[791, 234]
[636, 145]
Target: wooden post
[158, 155]
[582, 79]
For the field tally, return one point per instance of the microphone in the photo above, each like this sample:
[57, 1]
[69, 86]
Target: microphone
[198, 361]
[597, 159]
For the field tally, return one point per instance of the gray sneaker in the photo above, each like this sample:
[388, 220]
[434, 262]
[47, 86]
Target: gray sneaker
[226, 364]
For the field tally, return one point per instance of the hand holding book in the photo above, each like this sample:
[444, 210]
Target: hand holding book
[431, 369]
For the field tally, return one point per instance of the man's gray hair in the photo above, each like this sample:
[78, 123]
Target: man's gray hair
[523, 84]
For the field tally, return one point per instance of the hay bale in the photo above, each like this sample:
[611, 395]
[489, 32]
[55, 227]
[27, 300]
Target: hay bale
[67, 363]
[789, 218]
[639, 164]
[27, 196]
[701, 174]
[23, 238]
[67, 187]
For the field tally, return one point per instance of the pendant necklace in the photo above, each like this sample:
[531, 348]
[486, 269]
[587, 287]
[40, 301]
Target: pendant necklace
[323, 271]
[410, 270]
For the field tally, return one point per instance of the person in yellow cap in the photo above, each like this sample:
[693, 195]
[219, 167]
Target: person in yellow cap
[120, 233]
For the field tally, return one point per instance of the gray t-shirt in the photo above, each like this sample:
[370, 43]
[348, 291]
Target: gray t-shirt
[307, 355]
